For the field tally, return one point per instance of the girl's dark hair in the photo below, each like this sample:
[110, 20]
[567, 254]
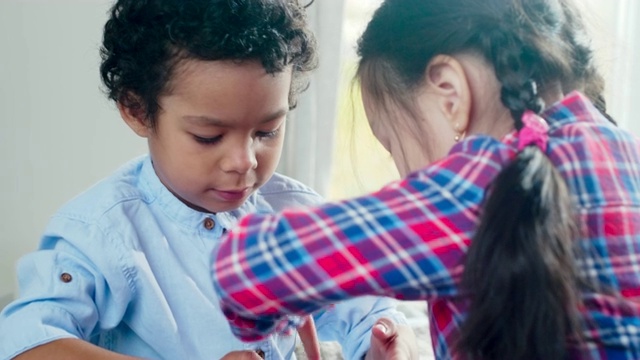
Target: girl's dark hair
[519, 275]
[144, 41]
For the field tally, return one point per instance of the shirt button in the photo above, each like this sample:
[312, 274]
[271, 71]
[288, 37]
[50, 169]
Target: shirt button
[209, 223]
[260, 353]
[65, 277]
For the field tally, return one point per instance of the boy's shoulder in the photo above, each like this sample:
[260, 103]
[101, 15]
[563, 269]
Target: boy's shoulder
[279, 183]
[282, 192]
[120, 187]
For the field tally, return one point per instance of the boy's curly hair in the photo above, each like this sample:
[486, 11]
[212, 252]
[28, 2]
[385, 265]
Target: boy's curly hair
[144, 40]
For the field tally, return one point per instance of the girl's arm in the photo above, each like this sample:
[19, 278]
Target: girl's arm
[406, 241]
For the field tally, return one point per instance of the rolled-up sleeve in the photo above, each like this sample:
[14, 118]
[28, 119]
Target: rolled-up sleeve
[62, 295]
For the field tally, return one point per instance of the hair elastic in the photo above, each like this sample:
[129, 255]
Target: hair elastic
[534, 131]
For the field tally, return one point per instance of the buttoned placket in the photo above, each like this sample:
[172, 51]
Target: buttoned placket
[209, 223]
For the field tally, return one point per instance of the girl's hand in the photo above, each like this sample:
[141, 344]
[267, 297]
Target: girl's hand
[242, 355]
[390, 341]
[309, 338]
[253, 328]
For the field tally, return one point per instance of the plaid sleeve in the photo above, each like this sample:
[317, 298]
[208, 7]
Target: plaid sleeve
[406, 241]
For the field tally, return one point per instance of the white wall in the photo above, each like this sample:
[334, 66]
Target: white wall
[58, 132]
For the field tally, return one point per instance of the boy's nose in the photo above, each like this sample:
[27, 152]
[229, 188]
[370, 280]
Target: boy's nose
[240, 160]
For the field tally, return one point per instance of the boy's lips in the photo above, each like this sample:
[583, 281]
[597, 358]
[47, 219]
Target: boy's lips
[232, 194]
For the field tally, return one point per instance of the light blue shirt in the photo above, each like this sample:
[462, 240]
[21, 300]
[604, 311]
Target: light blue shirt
[126, 266]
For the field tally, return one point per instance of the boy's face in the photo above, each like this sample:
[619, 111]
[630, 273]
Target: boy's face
[219, 132]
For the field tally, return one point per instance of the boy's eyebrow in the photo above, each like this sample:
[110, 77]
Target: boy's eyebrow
[210, 121]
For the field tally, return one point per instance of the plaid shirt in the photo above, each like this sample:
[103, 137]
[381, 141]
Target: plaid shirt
[409, 239]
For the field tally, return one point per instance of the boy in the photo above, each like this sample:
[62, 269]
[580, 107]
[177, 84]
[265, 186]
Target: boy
[124, 267]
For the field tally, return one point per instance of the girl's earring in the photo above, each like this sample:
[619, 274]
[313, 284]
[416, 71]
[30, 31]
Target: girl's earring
[459, 134]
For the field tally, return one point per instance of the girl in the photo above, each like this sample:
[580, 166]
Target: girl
[123, 269]
[518, 214]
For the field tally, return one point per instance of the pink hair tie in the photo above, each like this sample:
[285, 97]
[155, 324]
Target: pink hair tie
[534, 131]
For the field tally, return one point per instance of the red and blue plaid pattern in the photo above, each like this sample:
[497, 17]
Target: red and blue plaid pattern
[409, 239]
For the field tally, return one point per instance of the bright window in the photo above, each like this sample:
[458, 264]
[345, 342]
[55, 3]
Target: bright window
[361, 165]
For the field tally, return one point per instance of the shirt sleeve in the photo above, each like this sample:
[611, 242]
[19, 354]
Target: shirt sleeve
[350, 322]
[406, 241]
[62, 295]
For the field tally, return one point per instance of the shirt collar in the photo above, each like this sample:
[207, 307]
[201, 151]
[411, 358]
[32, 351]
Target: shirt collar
[175, 209]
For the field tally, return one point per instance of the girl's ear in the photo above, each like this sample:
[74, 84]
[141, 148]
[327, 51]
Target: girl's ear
[135, 117]
[446, 78]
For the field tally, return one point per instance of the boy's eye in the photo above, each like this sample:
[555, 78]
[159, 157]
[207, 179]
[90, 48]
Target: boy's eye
[207, 140]
[268, 134]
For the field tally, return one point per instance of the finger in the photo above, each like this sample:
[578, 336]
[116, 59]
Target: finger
[309, 339]
[384, 330]
[242, 355]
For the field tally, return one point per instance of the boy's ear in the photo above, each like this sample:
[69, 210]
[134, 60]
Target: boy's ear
[447, 79]
[136, 118]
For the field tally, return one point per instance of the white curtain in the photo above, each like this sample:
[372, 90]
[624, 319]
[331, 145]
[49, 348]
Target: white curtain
[310, 128]
[624, 85]
[614, 26]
